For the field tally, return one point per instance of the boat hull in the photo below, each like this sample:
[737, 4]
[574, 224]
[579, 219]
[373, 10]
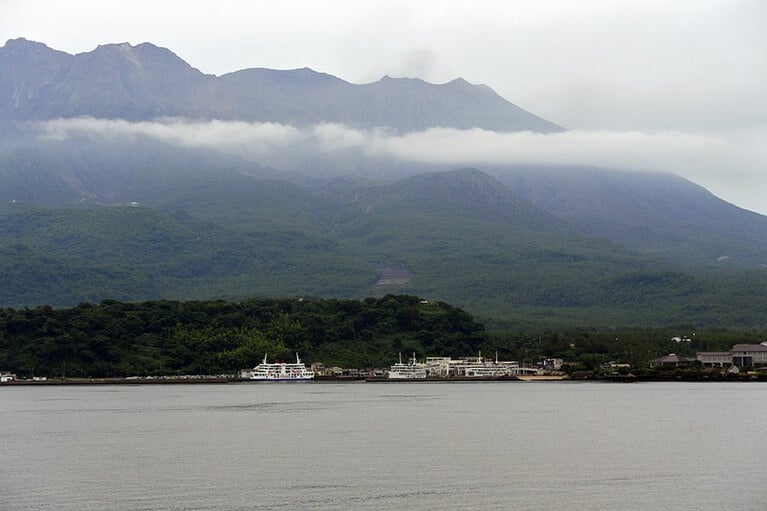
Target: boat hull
[451, 379]
[281, 379]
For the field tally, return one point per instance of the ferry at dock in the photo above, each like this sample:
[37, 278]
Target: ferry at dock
[481, 367]
[281, 371]
[411, 371]
[445, 369]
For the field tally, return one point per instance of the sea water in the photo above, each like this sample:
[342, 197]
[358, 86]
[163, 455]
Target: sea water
[537, 446]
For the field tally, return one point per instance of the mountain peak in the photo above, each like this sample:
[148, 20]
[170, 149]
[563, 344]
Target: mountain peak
[456, 82]
[137, 52]
[25, 47]
[114, 45]
[468, 193]
[460, 82]
[119, 50]
[390, 80]
[21, 42]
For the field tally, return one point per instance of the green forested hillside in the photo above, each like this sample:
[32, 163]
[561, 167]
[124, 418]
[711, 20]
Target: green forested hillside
[462, 237]
[63, 256]
[169, 337]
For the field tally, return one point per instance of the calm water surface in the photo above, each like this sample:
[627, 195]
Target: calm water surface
[541, 446]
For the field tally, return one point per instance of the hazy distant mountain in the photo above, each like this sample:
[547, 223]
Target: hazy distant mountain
[144, 82]
[466, 193]
[112, 81]
[651, 212]
[107, 172]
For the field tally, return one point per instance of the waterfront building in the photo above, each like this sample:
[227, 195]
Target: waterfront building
[670, 360]
[714, 358]
[552, 364]
[749, 354]
[741, 355]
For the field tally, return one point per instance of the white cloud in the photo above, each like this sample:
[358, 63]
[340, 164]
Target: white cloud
[715, 161]
[221, 135]
[666, 151]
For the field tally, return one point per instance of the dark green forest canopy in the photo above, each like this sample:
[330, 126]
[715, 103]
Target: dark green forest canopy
[213, 337]
[218, 337]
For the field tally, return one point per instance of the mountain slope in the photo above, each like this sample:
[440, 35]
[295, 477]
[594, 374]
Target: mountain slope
[464, 193]
[112, 81]
[145, 82]
[64, 256]
[662, 214]
[467, 238]
[461, 237]
[27, 69]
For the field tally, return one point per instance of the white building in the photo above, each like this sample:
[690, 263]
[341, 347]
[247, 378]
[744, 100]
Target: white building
[714, 358]
[740, 355]
[749, 354]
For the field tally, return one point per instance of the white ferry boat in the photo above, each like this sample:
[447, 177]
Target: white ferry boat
[480, 367]
[281, 371]
[413, 370]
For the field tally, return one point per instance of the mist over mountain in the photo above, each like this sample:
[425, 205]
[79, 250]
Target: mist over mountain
[126, 173]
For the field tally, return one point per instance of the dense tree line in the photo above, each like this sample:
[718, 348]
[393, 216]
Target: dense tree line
[213, 337]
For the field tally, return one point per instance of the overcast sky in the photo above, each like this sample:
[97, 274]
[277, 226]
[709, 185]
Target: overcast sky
[689, 76]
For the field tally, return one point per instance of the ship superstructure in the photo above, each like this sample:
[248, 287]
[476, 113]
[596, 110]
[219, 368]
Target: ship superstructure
[281, 371]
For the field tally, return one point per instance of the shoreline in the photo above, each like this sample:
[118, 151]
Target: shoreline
[119, 381]
[190, 380]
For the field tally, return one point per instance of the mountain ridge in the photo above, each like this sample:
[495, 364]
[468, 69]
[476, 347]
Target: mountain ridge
[145, 81]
